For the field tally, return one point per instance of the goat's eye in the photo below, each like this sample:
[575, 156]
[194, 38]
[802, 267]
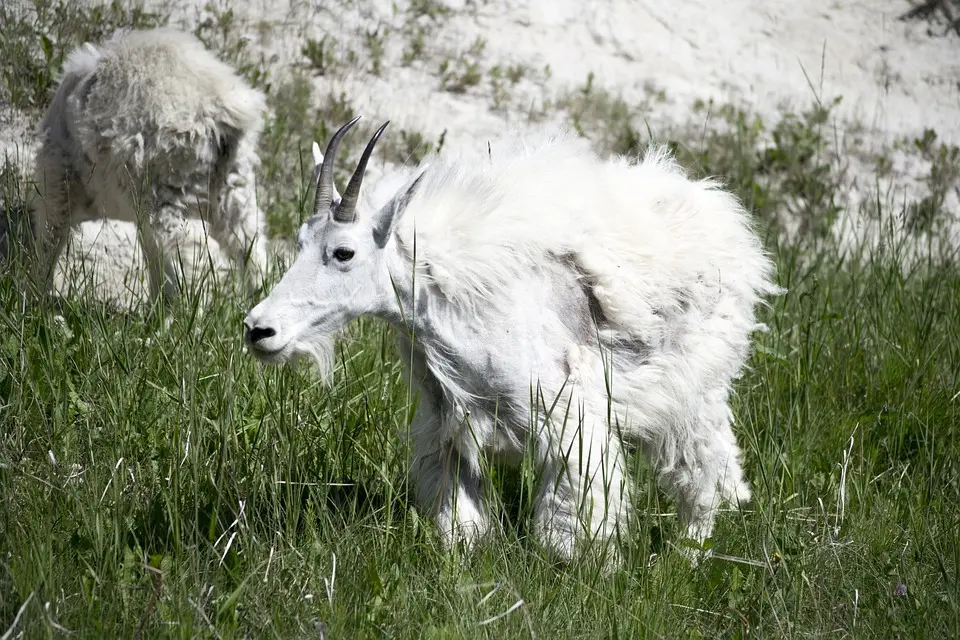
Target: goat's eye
[343, 254]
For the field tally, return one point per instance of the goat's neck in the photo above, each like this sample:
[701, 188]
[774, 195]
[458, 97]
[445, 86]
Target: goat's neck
[408, 300]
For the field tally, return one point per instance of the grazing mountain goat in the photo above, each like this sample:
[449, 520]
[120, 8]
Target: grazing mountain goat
[150, 128]
[550, 303]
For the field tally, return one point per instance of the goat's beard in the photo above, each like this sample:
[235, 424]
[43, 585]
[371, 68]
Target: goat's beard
[323, 353]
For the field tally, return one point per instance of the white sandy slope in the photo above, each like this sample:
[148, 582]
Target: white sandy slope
[896, 78]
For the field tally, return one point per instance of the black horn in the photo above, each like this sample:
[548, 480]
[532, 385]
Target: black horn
[325, 178]
[347, 211]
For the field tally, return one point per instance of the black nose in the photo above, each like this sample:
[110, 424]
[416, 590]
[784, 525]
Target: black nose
[257, 334]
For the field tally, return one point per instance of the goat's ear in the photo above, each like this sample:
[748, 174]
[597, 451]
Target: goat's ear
[385, 219]
[317, 161]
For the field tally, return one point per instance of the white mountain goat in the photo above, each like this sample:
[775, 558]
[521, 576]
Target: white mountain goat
[550, 303]
[151, 128]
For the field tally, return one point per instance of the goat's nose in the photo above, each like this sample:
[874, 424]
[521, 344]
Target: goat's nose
[256, 331]
[256, 334]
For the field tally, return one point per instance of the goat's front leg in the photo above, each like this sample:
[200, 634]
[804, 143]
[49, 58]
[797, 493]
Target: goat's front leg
[240, 228]
[50, 239]
[582, 494]
[450, 483]
[178, 259]
[451, 487]
[162, 238]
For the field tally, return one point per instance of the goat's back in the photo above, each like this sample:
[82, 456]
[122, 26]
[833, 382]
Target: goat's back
[150, 101]
[166, 78]
[638, 228]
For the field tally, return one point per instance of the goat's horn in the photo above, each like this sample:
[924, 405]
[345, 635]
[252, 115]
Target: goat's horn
[325, 188]
[317, 163]
[347, 211]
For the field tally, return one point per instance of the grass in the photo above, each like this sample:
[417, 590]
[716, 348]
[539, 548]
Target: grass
[160, 483]
[167, 484]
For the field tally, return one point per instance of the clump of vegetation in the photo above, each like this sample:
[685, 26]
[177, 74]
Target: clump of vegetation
[423, 18]
[465, 71]
[431, 9]
[375, 42]
[607, 120]
[415, 45]
[787, 174]
[320, 53]
[410, 147]
[221, 31]
[929, 214]
[502, 79]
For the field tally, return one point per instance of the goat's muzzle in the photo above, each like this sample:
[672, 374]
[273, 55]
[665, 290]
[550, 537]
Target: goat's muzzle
[262, 339]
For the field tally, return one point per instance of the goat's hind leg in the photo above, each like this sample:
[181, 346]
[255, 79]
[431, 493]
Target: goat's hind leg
[706, 470]
[51, 223]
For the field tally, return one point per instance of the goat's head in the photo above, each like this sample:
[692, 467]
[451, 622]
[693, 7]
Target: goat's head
[340, 271]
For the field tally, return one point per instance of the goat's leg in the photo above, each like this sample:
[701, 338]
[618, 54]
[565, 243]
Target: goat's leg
[241, 229]
[721, 477]
[450, 484]
[582, 491]
[161, 283]
[51, 222]
[174, 261]
[707, 469]
[48, 247]
[451, 487]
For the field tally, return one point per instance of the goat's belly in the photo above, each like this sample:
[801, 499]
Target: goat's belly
[112, 205]
[484, 429]
[504, 447]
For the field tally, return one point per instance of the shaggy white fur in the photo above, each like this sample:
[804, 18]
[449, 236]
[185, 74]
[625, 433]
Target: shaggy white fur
[552, 304]
[151, 128]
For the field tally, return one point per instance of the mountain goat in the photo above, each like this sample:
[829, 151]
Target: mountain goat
[550, 304]
[151, 128]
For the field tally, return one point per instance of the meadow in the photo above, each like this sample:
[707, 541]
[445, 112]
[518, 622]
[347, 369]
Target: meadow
[156, 481]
